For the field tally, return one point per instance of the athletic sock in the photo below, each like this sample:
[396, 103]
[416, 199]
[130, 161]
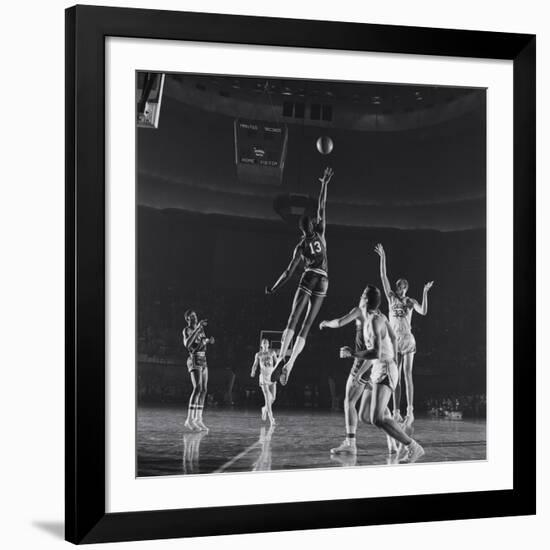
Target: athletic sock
[190, 412]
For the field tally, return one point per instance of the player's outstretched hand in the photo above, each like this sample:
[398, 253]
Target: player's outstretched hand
[268, 290]
[322, 325]
[379, 249]
[428, 285]
[203, 322]
[345, 352]
[211, 340]
[327, 175]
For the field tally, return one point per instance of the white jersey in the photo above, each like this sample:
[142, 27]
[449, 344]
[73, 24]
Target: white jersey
[266, 359]
[401, 310]
[386, 345]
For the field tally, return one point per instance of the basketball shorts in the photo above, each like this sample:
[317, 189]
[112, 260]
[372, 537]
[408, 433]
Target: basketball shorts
[406, 343]
[197, 361]
[364, 377]
[265, 377]
[384, 372]
[314, 284]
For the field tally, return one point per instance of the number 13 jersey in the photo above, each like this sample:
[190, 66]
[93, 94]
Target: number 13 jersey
[314, 253]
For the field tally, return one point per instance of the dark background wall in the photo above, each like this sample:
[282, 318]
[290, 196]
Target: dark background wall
[219, 266]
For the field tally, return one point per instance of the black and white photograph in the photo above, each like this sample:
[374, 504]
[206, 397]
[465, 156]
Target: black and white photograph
[310, 274]
[274, 275]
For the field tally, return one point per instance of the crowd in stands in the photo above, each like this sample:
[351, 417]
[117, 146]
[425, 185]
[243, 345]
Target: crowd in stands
[222, 276]
[235, 319]
[464, 406]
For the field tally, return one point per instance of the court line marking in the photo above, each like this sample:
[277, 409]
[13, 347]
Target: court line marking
[236, 457]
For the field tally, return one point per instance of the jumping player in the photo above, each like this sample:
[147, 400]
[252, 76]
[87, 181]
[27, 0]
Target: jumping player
[195, 340]
[266, 358]
[312, 290]
[358, 384]
[377, 329]
[400, 312]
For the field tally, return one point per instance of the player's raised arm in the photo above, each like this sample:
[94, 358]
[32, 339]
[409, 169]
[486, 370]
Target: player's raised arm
[423, 308]
[287, 273]
[322, 203]
[379, 249]
[354, 314]
[254, 366]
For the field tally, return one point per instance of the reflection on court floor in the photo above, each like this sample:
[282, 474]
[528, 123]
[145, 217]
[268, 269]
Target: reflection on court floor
[239, 441]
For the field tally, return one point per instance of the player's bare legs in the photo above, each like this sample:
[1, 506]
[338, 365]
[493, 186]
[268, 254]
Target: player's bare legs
[380, 417]
[288, 334]
[190, 423]
[365, 416]
[364, 407]
[203, 388]
[267, 406]
[269, 392]
[313, 306]
[409, 386]
[354, 390]
[301, 300]
[353, 393]
[273, 390]
[397, 393]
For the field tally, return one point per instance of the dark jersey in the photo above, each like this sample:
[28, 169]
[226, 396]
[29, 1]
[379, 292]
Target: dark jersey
[314, 253]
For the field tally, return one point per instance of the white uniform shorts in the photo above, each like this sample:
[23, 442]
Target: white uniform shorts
[406, 343]
[265, 376]
[361, 366]
[385, 372]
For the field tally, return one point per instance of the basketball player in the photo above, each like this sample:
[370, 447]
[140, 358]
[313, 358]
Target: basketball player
[195, 340]
[400, 312]
[383, 377]
[312, 290]
[266, 358]
[358, 384]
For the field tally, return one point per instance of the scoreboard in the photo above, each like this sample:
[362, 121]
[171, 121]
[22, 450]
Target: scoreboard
[260, 150]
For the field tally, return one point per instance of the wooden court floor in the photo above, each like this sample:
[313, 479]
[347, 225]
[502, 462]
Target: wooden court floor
[238, 441]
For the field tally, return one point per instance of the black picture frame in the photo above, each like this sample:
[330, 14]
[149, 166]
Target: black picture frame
[86, 30]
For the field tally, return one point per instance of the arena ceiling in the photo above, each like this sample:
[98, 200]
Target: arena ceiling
[405, 156]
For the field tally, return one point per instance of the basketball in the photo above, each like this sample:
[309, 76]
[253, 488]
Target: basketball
[324, 145]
